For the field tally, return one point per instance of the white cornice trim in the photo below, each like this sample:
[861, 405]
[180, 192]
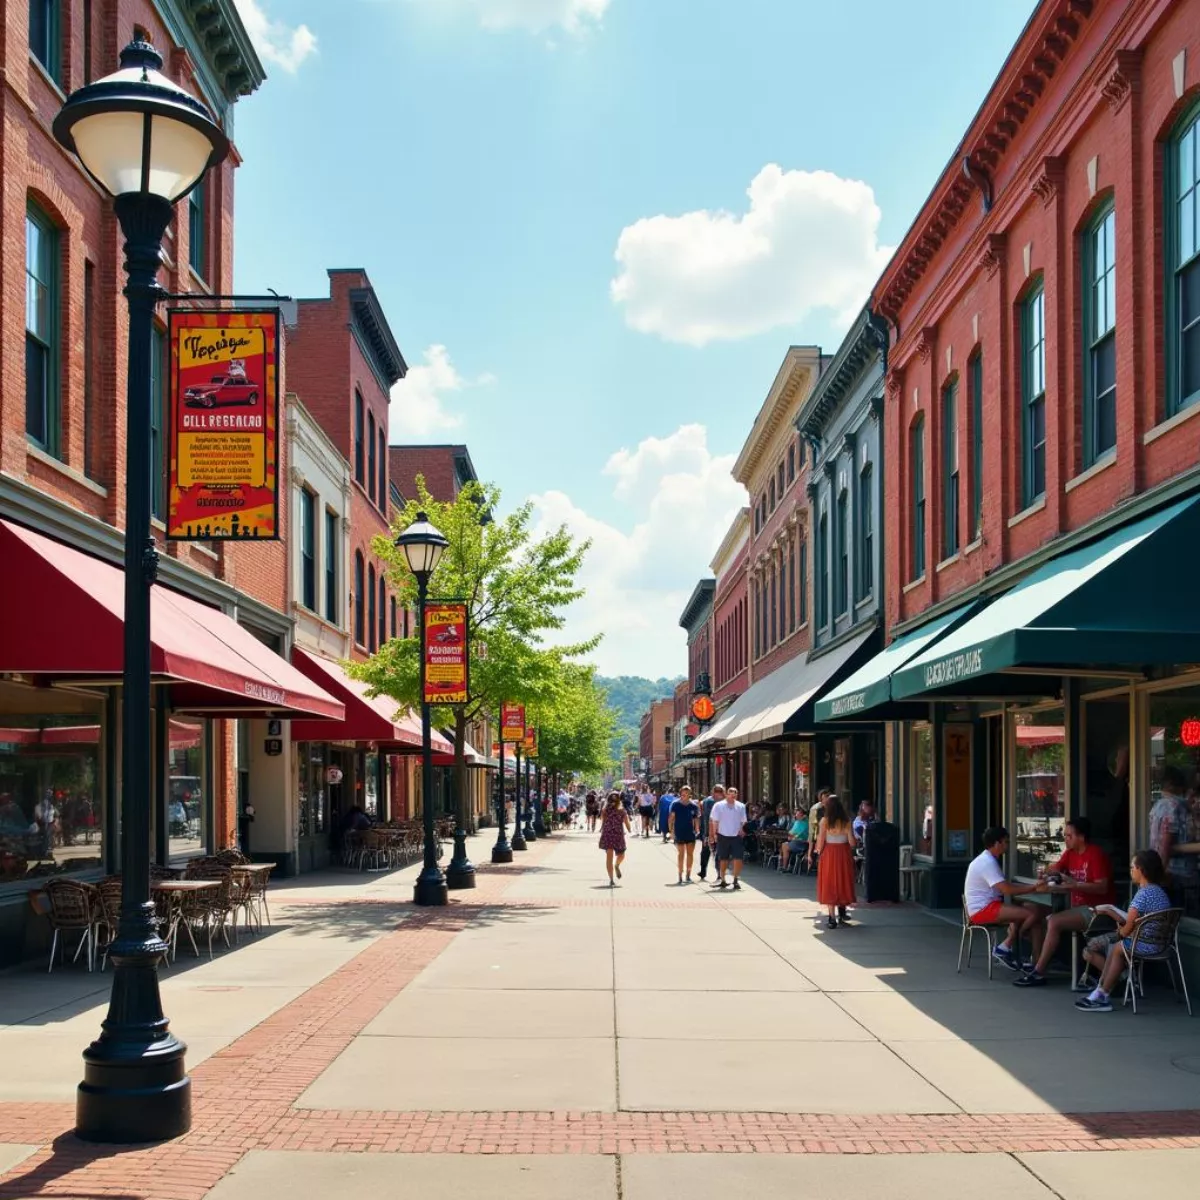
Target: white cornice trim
[800, 370]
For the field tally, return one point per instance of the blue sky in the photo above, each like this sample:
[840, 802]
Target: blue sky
[551, 198]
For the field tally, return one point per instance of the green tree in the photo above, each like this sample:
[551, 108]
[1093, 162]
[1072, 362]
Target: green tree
[516, 589]
[575, 727]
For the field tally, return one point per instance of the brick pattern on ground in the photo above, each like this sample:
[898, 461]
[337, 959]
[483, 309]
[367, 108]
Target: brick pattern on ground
[244, 1097]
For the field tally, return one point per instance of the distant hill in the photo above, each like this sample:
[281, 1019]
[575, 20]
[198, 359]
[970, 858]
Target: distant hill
[630, 696]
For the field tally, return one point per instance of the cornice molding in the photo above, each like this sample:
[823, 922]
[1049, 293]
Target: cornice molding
[800, 368]
[1048, 179]
[992, 254]
[1123, 76]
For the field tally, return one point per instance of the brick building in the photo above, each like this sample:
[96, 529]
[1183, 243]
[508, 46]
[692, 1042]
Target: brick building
[1040, 436]
[654, 740]
[62, 497]
[696, 620]
[446, 468]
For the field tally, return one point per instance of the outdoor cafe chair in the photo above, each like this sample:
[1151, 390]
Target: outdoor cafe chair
[108, 917]
[210, 909]
[967, 940]
[1154, 938]
[72, 909]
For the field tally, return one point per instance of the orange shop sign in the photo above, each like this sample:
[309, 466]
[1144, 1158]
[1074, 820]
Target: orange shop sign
[512, 722]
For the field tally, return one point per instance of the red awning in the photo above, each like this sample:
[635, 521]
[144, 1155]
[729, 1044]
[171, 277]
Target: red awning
[469, 753]
[62, 617]
[368, 718]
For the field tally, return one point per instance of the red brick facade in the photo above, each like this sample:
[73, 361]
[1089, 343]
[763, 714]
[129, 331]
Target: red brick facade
[1081, 118]
[731, 611]
[445, 469]
[342, 362]
[654, 736]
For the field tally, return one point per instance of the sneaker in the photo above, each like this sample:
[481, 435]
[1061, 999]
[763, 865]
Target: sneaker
[1004, 956]
[679, 882]
[737, 887]
[1100, 1004]
[1030, 979]
[721, 884]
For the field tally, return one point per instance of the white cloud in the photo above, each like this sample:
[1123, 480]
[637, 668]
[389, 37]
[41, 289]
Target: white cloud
[418, 402]
[636, 582]
[287, 46]
[573, 17]
[809, 240]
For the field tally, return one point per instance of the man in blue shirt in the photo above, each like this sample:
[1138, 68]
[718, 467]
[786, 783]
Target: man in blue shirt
[664, 813]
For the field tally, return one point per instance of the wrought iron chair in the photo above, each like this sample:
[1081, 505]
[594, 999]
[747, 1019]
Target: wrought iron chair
[1154, 938]
[73, 909]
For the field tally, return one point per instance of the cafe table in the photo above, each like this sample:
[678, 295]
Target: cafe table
[177, 891]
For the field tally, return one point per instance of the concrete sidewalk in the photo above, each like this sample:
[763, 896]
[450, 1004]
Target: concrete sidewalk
[551, 1035]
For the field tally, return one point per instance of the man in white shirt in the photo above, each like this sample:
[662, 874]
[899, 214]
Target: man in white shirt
[727, 829]
[988, 897]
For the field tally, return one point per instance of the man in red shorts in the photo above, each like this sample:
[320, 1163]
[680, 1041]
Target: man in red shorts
[989, 899]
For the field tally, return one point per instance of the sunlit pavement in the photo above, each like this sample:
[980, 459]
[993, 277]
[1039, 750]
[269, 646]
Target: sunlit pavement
[549, 1036]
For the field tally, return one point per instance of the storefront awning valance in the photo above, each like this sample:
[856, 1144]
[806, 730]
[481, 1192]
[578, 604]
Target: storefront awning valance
[869, 689]
[1122, 604]
[368, 718]
[788, 691]
[62, 618]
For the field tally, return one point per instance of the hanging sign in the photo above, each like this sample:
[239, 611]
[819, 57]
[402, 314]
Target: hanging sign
[446, 657]
[531, 740]
[703, 708]
[223, 424]
[512, 722]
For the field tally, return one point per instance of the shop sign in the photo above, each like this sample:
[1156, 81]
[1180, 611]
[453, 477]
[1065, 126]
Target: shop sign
[531, 742]
[223, 425]
[1189, 732]
[512, 722]
[703, 708]
[446, 653]
[273, 747]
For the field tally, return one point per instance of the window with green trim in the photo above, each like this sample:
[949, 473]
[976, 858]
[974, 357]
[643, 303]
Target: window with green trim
[917, 463]
[1033, 396]
[950, 469]
[158, 422]
[842, 565]
[197, 229]
[975, 399]
[821, 597]
[42, 338]
[1100, 337]
[308, 549]
[45, 37]
[866, 539]
[1183, 292]
[802, 580]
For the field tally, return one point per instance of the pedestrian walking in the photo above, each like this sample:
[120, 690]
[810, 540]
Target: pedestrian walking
[684, 822]
[664, 813]
[706, 807]
[835, 861]
[646, 808]
[613, 826]
[727, 831]
[591, 807]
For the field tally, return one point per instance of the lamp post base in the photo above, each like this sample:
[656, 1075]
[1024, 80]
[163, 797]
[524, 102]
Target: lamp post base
[460, 871]
[518, 840]
[530, 834]
[502, 854]
[430, 889]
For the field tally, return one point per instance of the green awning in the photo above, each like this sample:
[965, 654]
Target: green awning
[871, 685]
[1124, 603]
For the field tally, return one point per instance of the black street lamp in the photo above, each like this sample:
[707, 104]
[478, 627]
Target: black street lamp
[501, 851]
[518, 834]
[147, 143]
[530, 831]
[423, 546]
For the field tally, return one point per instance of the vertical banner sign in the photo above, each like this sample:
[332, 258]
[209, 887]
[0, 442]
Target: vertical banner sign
[531, 742]
[223, 418]
[446, 654]
[512, 722]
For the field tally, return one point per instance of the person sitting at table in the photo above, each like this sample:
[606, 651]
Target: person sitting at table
[990, 899]
[1087, 868]
[866, 816]
[1107, 953]
[797, 842]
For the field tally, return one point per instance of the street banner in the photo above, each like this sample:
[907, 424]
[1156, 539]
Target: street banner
[512, 722]
[531, 739]
[223, 425]
[446, 655]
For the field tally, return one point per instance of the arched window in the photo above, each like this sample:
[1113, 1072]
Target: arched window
[917, 516]
[360, 628]
[371, 609]
[382, 609]
[359, 450]
[372, 458]
[383, 471]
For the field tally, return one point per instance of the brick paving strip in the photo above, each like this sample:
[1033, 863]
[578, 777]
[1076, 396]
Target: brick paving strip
[244, 1097]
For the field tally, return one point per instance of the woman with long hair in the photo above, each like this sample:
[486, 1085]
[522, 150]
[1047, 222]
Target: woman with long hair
[592, 809]
[835, 861]
[614, 823]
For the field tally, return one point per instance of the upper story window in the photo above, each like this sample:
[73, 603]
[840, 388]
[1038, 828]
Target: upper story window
[45, 36]
[360, 621]
[866, 534]
[917, 461]
[382, 610]
[383, 488]
[42, 333]
[821, 582]
[371, 609]
[841, 579]
[1183, 292]
[393, 602]
[360, 466]
[372, 460]
[771, 493]
[1100, 325]
[950, 469]
[975, 400]
[791, 465]
[331, 566]
[802, 582]
[779, 480]
[1033, 395]
[308, 549]
[197, 229]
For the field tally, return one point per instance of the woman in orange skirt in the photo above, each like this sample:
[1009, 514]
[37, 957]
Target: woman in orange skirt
[835, 864]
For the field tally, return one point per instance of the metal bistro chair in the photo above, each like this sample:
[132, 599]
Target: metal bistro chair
[72, 910]
[1154, 938]
[967, 941]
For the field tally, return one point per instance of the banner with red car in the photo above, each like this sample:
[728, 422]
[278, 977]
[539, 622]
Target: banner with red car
[446, 655]
[223, 419]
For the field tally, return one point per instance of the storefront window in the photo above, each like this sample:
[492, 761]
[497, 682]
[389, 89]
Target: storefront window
[841, 772]
[51, 809]
[371, 789]
[921, 759]
[1172, 824]
[800, 761]
[1041, 797]
[188, 807]
[313, 783]
[1106, 777]
[764, 779]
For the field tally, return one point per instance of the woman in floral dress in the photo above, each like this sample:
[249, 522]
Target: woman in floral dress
[614, 823]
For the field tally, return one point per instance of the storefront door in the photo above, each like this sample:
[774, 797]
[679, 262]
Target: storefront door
[313, 848]
[957, 743]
